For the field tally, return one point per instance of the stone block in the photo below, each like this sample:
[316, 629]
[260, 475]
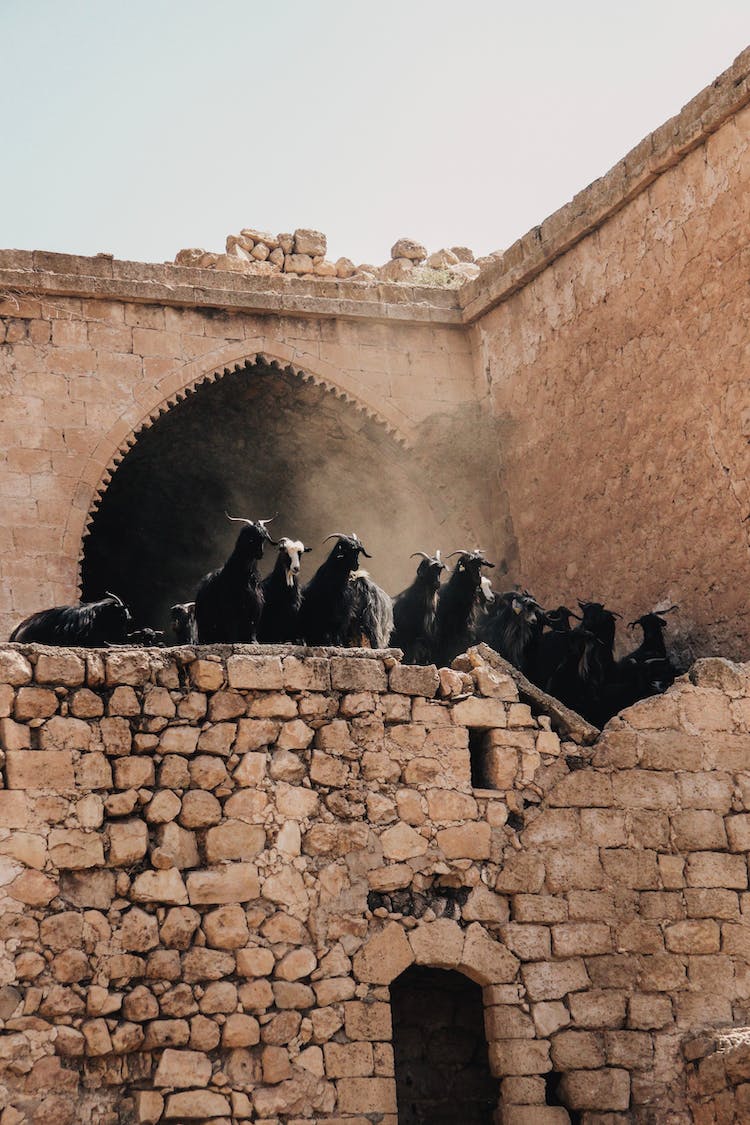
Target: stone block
[716, 869]
[73, 849]
[164, 887]
[234, 839]
[131, 667]
[14, 736]
[51, 770]
[519, 1056]
[604, 1089]
[551, 980]
[14, 668]
[481, 713]
[577, 1050]
[348, 1060]
[402, 842]
[182, 1068]
[384, 956]
[14, 810]
[693, 936]
[366, 1095]
[367, 1021]
[128, 842]
[414, 680]
[206, 675]
[352, 673]
[234, 882]
[644, 789]
[311, 674]
[194, 1105]
[59, 668]
[34, 703]
[584, 788]
[465, 841]
[699, 830]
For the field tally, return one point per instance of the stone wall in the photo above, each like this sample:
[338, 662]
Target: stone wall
[87, 366]
[214, 863]
[616, 360]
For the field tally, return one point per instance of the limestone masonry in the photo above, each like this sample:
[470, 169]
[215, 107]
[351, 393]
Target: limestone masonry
[578, 409]
[283, 885]
[216, 862]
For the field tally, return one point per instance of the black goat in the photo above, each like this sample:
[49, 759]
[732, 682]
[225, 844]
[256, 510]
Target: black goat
[229, 601]
[650, 658]
[328, 598]
[513, 626]
[553, 646]
[457, 606]
[414, 611]
[87, 626]
[282, 594]
[372, 612]
[184, 625]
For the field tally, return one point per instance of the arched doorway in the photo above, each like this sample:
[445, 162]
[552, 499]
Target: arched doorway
[260, 440]
[440, 1050]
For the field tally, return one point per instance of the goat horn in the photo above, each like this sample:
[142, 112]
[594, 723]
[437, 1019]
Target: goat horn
[109, 594]
[262, 523]
[661, 612]
[336, 535]
[450, 556]
[422, 553]
[236, 519]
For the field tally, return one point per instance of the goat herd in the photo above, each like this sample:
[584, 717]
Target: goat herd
[430, 621]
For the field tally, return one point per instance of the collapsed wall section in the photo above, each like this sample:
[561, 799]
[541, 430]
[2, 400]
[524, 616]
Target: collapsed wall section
[215, 863]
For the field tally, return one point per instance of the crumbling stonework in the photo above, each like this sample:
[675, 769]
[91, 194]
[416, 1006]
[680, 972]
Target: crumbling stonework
[303, 254]
[215, 862]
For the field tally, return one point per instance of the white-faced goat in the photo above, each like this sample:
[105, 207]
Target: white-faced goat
[372, 612]
[229, 601]
[87, 626]
[184, 625]
[327, 599]
[414, 611]
[457, 606]
[282, 594]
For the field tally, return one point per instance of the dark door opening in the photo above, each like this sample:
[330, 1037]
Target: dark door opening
[440, 1049]
[257, 442]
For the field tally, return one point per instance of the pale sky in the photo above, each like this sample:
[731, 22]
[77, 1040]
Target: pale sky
[138, 127]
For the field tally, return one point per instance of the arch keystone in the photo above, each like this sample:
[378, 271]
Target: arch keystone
[384, 957]
[438, 944]
[486, 961]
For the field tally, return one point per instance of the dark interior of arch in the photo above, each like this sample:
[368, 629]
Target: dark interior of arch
[440, 1050]
[256, 442]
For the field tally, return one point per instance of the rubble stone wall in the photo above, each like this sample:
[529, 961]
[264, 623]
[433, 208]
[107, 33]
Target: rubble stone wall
[213, 864]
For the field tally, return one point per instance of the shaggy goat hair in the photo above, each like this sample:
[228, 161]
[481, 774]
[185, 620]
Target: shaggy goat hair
[85, 626]
[372, 612]
[414, 611]
[184, 625]
[457, 606]
[229, 601]
[513, 626]
[328, 598]
[282, 596]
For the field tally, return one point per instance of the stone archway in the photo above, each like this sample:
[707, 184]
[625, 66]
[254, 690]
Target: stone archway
[256, 440]
[441, 1061]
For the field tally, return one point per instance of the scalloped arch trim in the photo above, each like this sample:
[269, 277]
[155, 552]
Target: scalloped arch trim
[123, 437]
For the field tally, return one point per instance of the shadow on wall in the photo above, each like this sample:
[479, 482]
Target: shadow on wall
[259, 442]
